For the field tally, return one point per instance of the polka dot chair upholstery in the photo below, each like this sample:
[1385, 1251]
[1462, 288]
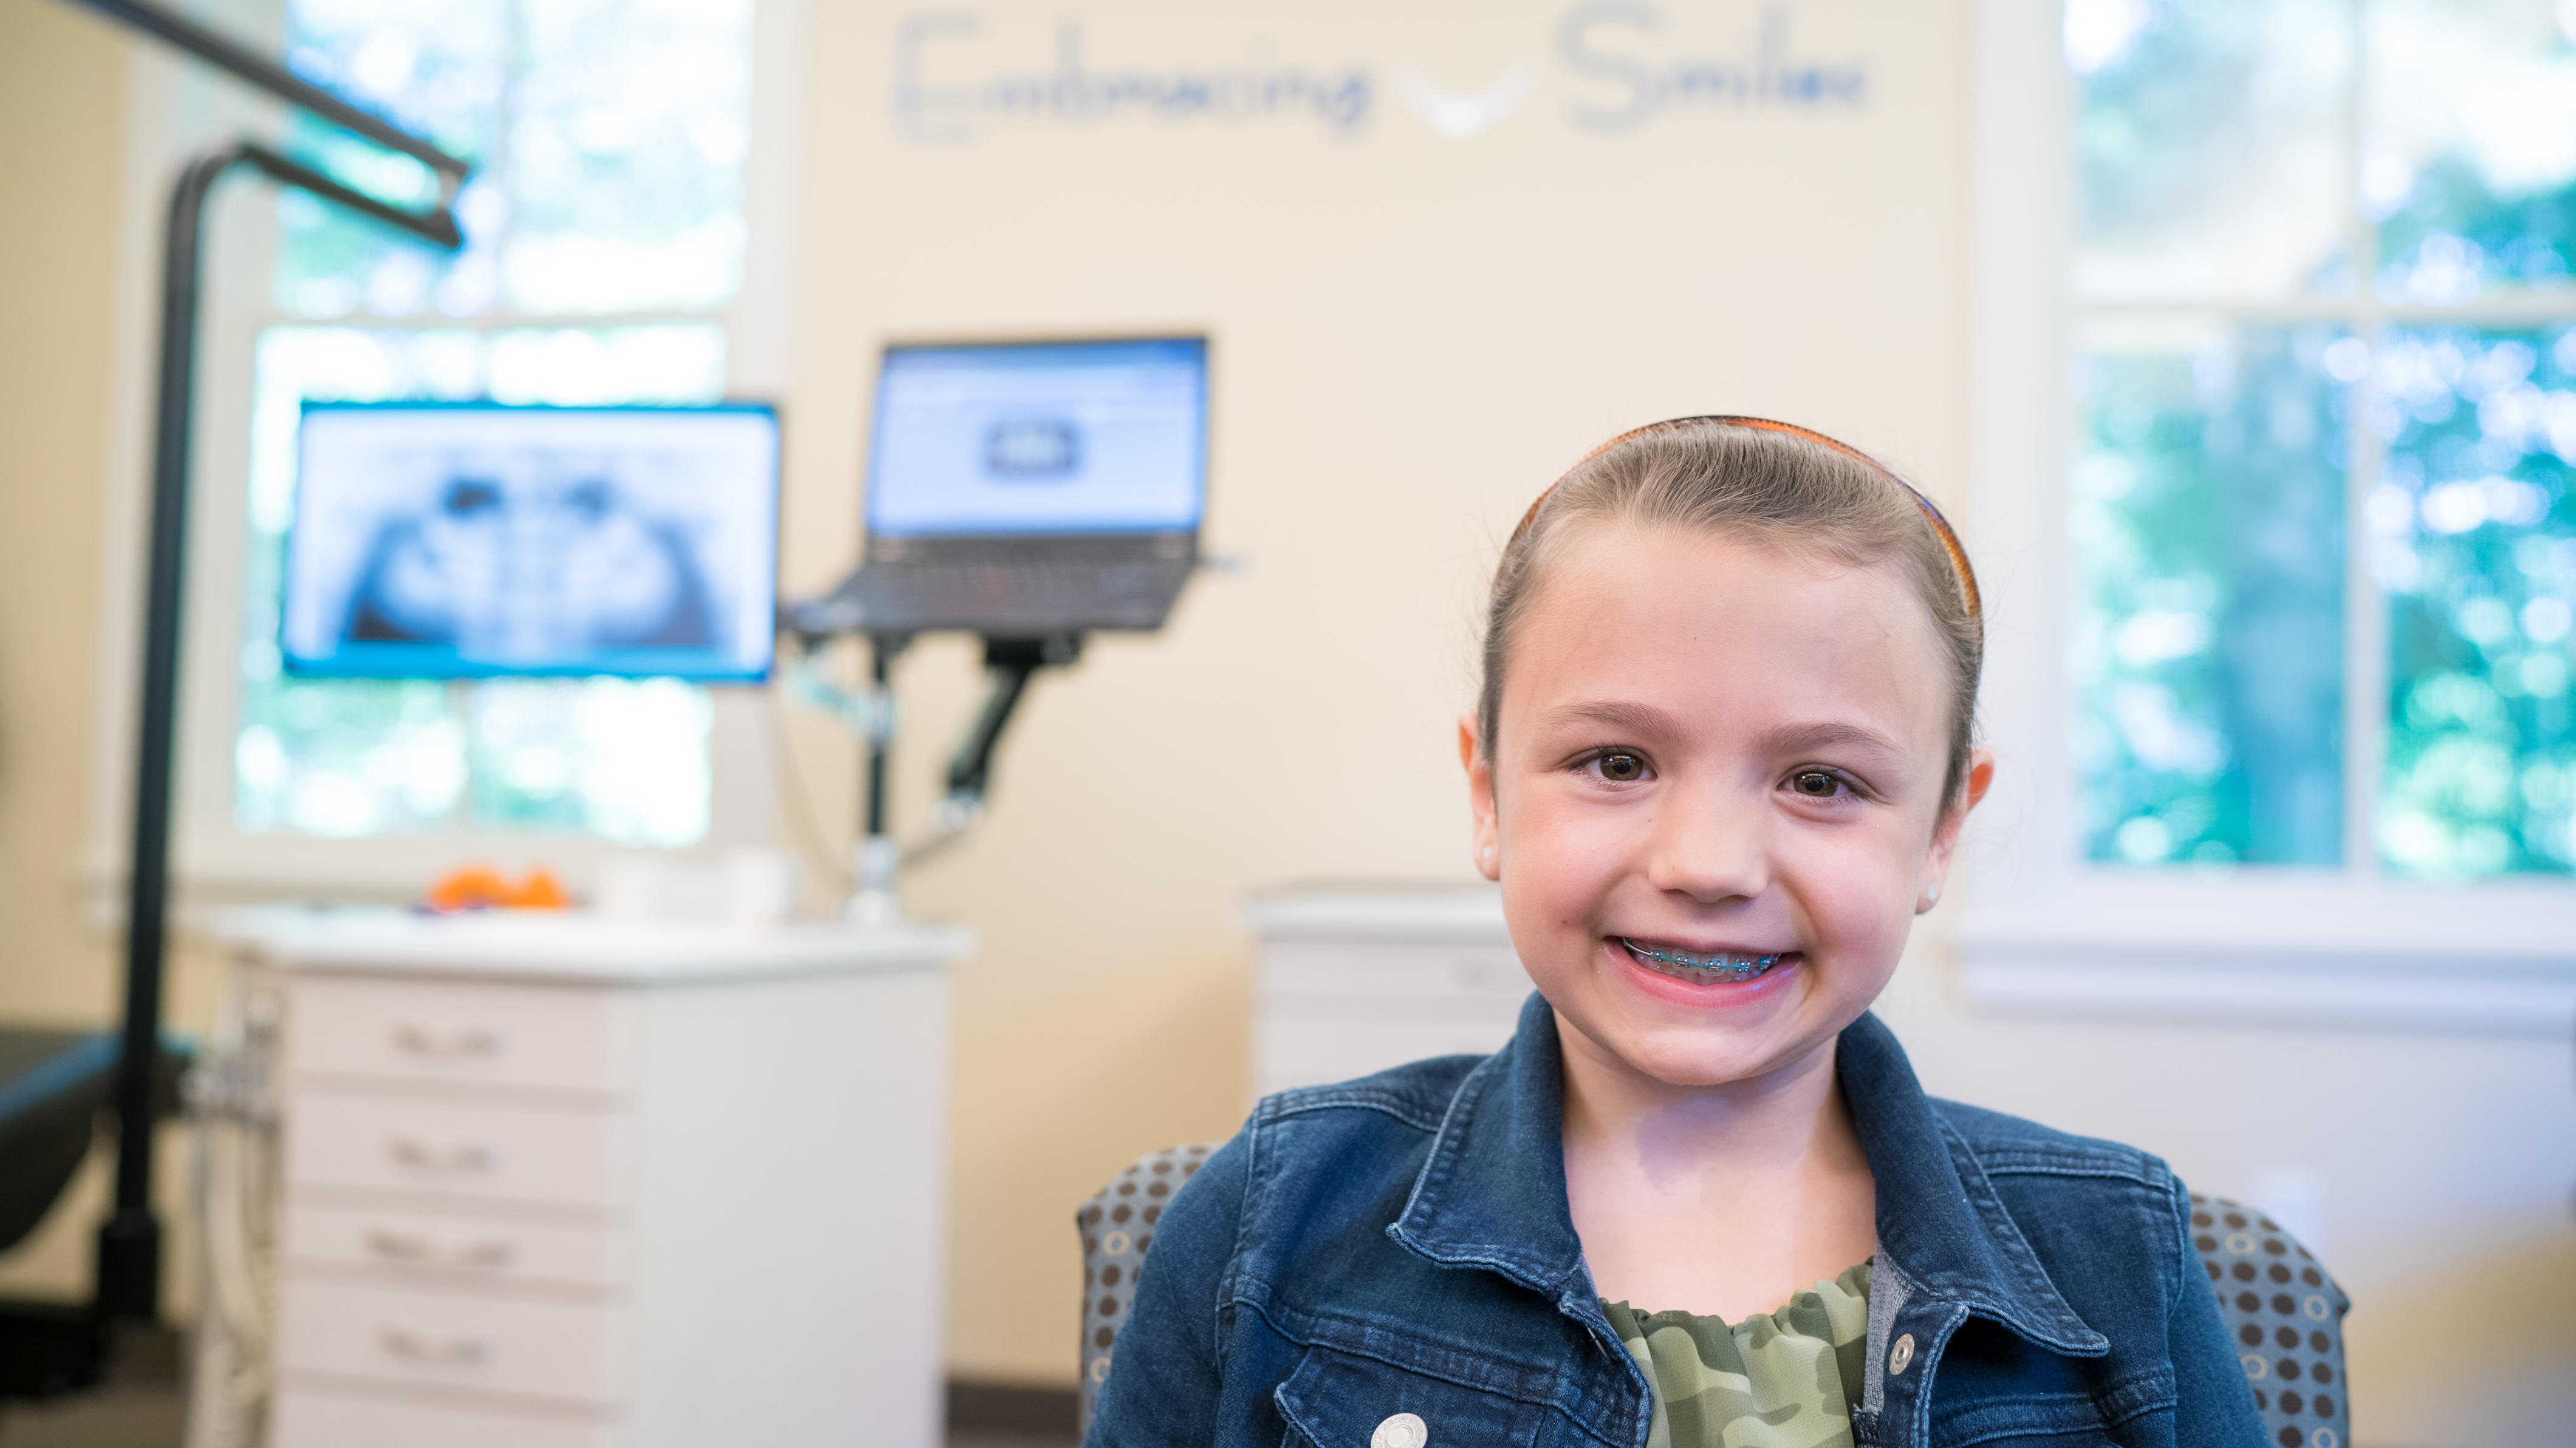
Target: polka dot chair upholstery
[2286, 1315]
[2284, 1312]
[1117, 1226]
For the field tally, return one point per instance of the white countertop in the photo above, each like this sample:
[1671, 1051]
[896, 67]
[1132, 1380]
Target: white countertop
[576, 947]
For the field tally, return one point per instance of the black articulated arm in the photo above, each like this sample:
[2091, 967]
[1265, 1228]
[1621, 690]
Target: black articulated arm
[277, 80]
[129, 1244]
[1010, 662]
[437, 226]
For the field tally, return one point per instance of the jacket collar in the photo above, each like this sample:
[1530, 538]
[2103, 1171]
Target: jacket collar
[1939, 1218]
[1492, 1194]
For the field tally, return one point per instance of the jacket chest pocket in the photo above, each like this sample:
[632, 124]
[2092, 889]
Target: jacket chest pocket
[1338, 1400]
[2039, 1420]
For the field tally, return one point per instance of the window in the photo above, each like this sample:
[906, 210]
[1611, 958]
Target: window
[2322, 279]
[606, 241]
[2276, 432]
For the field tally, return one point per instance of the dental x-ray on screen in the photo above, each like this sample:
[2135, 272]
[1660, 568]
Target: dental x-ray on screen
[466, 540]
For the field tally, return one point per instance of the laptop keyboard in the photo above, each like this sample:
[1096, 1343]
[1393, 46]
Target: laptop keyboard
[1031, 581]
[1040, 592]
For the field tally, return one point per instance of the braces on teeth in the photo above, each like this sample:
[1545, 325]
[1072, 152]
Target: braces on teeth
[1701, 969]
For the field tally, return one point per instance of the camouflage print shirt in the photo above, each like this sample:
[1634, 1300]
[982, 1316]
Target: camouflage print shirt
[1785, 1379]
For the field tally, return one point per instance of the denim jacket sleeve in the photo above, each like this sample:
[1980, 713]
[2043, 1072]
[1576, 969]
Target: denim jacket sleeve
[2213, 1404]
[1166, 1377]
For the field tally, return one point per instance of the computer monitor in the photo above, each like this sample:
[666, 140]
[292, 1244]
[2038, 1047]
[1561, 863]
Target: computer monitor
[472, 540]
[1040, 438]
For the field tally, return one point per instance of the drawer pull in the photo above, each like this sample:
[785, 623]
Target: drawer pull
[463, 1042]
[424, 1248]
[446, 1349]
[440, 1155]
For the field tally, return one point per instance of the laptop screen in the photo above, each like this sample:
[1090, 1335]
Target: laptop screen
[1038, 438]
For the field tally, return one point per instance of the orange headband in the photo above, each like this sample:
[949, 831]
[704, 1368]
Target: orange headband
[1966, 575]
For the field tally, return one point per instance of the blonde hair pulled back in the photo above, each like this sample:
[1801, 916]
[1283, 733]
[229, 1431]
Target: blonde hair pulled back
[1774, 485]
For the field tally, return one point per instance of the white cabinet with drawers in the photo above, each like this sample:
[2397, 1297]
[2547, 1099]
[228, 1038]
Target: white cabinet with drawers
[1350, 979]
[553, 1182]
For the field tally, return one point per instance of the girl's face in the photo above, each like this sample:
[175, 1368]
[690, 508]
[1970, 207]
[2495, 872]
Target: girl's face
[1710, 753]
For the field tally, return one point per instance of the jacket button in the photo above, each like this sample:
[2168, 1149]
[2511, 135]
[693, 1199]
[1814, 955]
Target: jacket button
[1900, 1355]
[1404, 1430]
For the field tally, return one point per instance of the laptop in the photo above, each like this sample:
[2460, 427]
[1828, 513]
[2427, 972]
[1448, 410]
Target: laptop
[1022, 490]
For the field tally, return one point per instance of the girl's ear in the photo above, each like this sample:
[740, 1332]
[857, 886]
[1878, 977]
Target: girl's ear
[1487, 842]
[1945, 835]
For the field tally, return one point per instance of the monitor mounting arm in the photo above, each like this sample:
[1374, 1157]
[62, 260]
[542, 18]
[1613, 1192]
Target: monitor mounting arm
[128, 1285]
[1009, 664]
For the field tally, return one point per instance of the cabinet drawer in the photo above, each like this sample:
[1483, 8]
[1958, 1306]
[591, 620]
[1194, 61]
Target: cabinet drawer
[546, 1155]
[566, 1352]
[540, 1037]
[304, 1419]
[455, 1250]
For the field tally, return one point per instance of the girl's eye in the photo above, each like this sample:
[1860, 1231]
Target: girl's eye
[1621, 768]
[1815, 783]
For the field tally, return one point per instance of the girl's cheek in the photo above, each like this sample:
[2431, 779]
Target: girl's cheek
[1558, 866]
[1555, 834]
[1861, 907]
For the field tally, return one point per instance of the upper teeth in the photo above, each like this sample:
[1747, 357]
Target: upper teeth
[1740, 965]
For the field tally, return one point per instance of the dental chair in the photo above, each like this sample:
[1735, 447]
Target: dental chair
[53, 1085]
[2284, 1312]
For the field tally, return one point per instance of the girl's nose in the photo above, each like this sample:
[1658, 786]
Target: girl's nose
[1707, 844]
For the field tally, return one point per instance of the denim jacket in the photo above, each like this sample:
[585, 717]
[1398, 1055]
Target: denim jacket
[1401, 1244]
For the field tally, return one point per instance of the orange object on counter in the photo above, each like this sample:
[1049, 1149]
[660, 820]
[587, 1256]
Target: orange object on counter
[480, 887]
[540, 891]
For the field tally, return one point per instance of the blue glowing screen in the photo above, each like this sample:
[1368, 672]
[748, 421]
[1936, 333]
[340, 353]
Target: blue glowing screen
[1057, 437]
[448, 541]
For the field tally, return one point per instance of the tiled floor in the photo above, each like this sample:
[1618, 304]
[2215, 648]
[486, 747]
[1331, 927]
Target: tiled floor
[126, 1416]
[148, 1415]
[142, 1406]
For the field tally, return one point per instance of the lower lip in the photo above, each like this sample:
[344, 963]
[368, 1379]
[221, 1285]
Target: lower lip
[1724, 995]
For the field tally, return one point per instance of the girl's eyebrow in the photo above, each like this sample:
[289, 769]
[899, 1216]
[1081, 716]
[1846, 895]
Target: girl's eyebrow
[1831, 734]
[1626, 717]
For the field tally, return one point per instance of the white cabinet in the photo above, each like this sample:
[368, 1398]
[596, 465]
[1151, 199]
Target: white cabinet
[550, 1182]
[1351, 979]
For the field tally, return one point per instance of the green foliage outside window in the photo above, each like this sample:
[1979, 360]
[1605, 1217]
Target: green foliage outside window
[2474, 541]
[2207, 511]
[2377, 166]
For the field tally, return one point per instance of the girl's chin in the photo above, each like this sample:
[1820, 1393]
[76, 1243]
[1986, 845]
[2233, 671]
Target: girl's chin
[1697, 991]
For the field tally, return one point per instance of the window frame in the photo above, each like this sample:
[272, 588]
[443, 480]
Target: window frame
[174, 110]
[2043, 930]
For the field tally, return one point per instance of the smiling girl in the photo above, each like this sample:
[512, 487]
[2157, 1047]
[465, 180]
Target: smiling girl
[1720, 761]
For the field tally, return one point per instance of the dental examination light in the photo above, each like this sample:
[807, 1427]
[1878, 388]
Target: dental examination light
[128, 1282]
